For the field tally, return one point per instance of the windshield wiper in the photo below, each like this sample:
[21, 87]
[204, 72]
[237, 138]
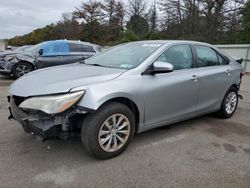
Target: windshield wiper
[98, 65]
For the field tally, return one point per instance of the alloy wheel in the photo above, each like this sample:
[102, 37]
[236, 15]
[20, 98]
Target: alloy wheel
[231, 102]
[22, 70]
[114, 133]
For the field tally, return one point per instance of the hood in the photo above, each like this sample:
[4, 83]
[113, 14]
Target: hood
[61, 79]
[7, 53]
[18, 54]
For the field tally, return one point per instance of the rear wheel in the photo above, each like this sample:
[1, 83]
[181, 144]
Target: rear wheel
[21, 69]
[108, 132]
[229, 104]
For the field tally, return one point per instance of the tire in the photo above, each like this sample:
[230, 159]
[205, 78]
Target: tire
[93, 127]
[21, 69]
[227, 110]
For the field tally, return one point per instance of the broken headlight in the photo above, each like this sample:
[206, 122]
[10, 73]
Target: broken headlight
[53, 104]
[10, 59]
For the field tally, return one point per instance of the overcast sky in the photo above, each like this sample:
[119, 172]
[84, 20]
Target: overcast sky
[18, 17]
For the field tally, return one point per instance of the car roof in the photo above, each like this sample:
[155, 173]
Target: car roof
[69, 41]
[171, 42]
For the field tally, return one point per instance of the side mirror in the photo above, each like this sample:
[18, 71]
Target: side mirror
[40, 52]
[239, 60]
[159, 67]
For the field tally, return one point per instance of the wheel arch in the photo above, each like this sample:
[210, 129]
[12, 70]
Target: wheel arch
[130, 104]
[235, 86]
[23, 61]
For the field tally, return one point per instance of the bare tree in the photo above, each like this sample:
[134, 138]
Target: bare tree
[90, 11]
[114, 15]
[114, 12]
[136, 7]
[153, 17]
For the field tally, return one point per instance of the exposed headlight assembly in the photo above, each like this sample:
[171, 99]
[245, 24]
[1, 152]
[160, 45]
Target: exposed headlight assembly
[10, 59]
[53, 104]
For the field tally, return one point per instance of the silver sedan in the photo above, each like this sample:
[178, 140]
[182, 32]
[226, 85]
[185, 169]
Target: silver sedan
[125, 90]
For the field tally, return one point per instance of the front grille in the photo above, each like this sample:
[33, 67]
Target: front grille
[18, 100]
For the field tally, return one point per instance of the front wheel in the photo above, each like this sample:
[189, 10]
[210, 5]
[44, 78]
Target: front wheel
[229, 104]
[21, 69]
[107, 132]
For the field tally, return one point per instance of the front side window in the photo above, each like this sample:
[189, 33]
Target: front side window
[206, 56]
[222, 61]
[180, 56]
[55, 49]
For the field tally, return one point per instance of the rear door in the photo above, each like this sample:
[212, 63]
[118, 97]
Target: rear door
[88, 51]
[214, 75]
[80, 51]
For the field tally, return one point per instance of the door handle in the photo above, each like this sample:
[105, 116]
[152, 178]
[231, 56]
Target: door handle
[228, 72]
[194, 78]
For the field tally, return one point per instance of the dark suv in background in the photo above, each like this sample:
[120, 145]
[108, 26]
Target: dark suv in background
[46, 54]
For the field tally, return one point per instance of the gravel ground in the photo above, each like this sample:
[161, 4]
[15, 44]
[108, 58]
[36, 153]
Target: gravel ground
[202, 152]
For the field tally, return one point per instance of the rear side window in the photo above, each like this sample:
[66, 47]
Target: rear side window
[208, 57]
[75, 47]
[80, 48]
[86, 48]
[56, 48]
[180, 56]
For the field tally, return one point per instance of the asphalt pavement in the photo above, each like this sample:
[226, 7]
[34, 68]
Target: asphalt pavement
[202, 152]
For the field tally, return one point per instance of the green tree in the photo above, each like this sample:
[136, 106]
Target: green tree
[67, 28]
[138, 25]
[129, 35]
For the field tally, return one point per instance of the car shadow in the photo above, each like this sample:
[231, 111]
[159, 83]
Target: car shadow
[73, 147]
[6, 78]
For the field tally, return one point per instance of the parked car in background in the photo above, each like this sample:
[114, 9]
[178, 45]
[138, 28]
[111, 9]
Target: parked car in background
[45, 54]
[127, 89]
[17, 50]
[8, 47]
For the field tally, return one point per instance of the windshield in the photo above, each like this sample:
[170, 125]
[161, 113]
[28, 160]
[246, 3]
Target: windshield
[23, 48]
[127, 56]
[35, 47]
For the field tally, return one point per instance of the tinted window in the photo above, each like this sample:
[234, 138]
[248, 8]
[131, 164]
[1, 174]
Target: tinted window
[180, 56]
[75, 47]
[86, 48]
[222, 61]
[80, 48]
[206, 56]
[55, 48]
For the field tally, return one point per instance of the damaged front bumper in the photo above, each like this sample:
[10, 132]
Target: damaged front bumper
[4, 68]
[41, 124]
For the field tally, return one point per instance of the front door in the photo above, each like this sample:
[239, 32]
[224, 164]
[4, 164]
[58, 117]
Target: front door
[172, 96]
[54, 54]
